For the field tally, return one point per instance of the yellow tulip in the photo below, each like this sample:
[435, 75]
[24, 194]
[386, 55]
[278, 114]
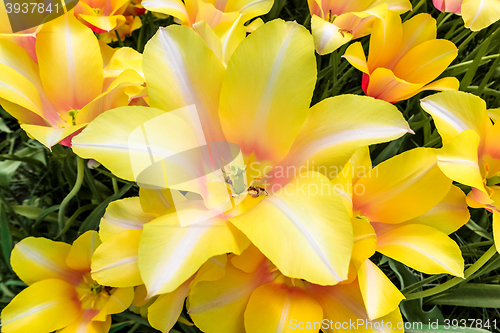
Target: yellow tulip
[61, 294]
[66, 88]
[477, 14]
[334, 22]
[254, 297]
[411, 224]
[403, 58]
[264, 109]
[471, 149]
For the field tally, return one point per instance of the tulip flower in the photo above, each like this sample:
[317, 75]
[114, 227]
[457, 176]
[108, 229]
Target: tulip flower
[335, 23]
[61, 295]
[269, 118]
[61, 94]
[477, 15]
[411, 224]
[471, 149]
[103, 16]
[254, 297]
[403, 58]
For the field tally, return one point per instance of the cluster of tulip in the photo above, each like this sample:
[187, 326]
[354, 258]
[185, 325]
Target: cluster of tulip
[250, 250]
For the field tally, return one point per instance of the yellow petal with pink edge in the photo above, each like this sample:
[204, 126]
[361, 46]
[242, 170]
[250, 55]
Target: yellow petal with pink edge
[181, 70]
[35, 259]
[118, 300]
[458, 160]
[155, 201]
[249, 260]
[257, 96]
[365, 245]
[331, 134]
[249, 8]
[426, 61]
[219, 306]
[274, 307]
[452, 6]
[70, 62]
[422, 248]
[455, 111]
[492, 142]
[328, 37]
[85, 324]
[123, 215]
[175, 8]
[102, 23]
[213, 269]
[384, 40]
[169, 254]
[115, 262]
[447, 216]
[389, 192]
[322, 239]
[166, 309]
[380, 295]
[82, 250]
[356, 57]
[107, 138]
[383, 84]
[343, 306]
[45, 306]
[480, 14]
[50, 136]
[417, 30]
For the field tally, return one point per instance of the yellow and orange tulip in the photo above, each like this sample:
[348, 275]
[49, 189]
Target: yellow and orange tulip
[404, 58]
[477, 14]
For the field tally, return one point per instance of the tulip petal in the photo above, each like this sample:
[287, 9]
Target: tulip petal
[115, 262]
[50, 136]
[181, 70]
[447, 216]
[166, 309]
[219, 306]
[213, 269]
[356, 57]
[458, 160]
[398, 189]
[385, 40]
[82, 250]
[479, 14]
[452, 6]
[156, 202]
[43, 307]
[327, 36]
[118, 301]
[380, 296]
[249, 8]
[302, 215]
[491, 144]
[260, 110]
[209, 37]
[274, 306]
[455, 111]
[343, 304]
[249, 260]
[231, 34]
[85, 324]
[71, 66]
[422, 248]
[331, 133]
[446, 83]
[365, 245]
[175, 8]
[494, 114]
[426, 61]
[385, 85]
[169, 254]
[35, 259]
[102, 23]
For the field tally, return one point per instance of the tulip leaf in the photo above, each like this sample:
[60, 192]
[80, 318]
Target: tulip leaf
[5, 237]
[470, 295]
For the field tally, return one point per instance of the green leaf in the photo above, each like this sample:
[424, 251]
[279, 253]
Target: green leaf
[5, 237]
[445, 329]
[34, 213]
[4, 127]
[470, 295]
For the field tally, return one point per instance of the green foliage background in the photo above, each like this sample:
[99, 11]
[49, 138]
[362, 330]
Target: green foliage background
[34, 180]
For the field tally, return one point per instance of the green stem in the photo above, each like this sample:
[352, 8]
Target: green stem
[120, 42]
[116, 189]
[74, 217]
[74, 191]
[453, 282]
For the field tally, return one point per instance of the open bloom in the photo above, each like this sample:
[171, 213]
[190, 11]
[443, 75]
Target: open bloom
[61, 294]
[334, 23]
[471, 148]
[403, 58]
[254, 297]
[411, 222]
[103, 16]
[67, 88]
[251, 104]
[477, 15]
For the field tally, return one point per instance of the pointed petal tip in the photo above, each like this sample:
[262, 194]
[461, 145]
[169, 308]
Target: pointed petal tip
[411, 131]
